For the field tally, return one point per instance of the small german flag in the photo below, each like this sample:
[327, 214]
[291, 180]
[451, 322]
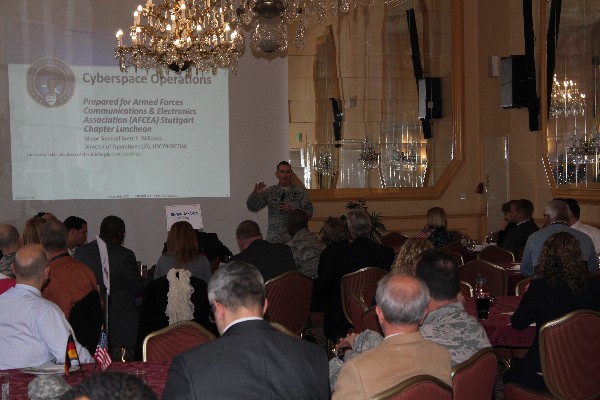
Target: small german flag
[71, 354]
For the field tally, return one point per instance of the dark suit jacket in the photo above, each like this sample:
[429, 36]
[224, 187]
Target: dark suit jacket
[517, 237]
[125, 285]
[271, 259]
[342, 260]
[250, 361]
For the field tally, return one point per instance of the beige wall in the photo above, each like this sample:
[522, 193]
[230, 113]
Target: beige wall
[490, 29]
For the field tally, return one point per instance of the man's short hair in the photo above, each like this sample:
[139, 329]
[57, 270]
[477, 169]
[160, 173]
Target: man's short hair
[247, 229]
[297, 220]
[74, 222]
[30, 261]
[525, 208]
[573, 206]
[440, 272]
[111, 385]
[284, 163]
[506, 207]
[54, 235]
[402, 304]
[359, 223]
[557, 211]
[237, 284]
[9, 236]
[111, 226]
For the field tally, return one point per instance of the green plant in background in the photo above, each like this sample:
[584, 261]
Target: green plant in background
[378, 228]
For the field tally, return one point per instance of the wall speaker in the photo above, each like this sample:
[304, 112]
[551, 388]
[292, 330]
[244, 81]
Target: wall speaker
[430, 98]
[513, 81]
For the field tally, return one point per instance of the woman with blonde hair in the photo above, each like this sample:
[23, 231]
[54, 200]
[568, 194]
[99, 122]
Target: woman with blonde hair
[435, 230]
[407, 256]
[32, 229]
[182, 253]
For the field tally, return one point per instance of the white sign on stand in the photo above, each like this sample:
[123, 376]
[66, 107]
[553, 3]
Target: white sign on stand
[190, 213]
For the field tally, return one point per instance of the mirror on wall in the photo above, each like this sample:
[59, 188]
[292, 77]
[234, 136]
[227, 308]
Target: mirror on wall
[375, 102]
[572, 92]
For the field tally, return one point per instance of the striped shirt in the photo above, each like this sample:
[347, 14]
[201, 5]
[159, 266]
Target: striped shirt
[33, 330]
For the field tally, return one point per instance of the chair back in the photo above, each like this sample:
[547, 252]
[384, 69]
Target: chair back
[466, 289]
[86, 319]
[289, 296]
[569, 349]
[514, 391]
[417, 388]
[458, 248]
[168, 342]
[497, 277]
[362, 283]
[356, 307]
[369, 320]
[474, 378]
[521, 286]
[495, 254]
[214, 264]
[456, 256]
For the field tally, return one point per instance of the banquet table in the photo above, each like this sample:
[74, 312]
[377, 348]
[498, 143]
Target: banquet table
[156, 376]
[498, 328]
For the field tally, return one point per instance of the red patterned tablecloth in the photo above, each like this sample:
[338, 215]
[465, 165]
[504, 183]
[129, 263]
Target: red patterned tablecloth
[498, 327]
[156, 376]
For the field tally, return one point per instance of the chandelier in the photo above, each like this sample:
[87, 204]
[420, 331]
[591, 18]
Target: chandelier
[566, 100]
[179, 34]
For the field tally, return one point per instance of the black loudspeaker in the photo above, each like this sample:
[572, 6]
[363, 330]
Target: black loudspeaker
[430, 98]
[513, 81]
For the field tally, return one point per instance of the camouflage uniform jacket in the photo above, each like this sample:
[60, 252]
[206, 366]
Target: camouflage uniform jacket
[306, 249]
[5, 262]
[451, 327]
[271, 197]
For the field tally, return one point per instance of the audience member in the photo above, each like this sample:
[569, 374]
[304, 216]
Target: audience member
[362, 252]
[575, 223]
[33, 330]
[10, 242]
[406, 260]
[304, 244]
[435, 231]
[211, 246]
[447, 323]
[68, 279]
[251, 360]
[556, 216]
[110, 385]
[32, 229]
[401, 306]
[271, 259]
[280, 199]
[506, 224]
[78, 231]
[123, 283]
[516, 238]
[182, 253]
[563, 285]
[333, 233]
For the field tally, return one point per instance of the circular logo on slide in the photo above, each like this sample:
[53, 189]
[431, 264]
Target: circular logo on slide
[50, 82]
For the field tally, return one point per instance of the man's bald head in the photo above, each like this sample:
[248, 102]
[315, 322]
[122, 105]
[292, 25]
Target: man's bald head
[9, 239]
[30, 263]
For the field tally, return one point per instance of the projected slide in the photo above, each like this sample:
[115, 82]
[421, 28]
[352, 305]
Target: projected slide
[82, 132]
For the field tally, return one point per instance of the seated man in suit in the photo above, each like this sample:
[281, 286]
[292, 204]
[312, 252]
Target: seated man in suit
[124, 284]
[271, 259]
[251, 360]
[68, 280]
[401, 305]
[516, 238]
[342, 260]
[33, 330]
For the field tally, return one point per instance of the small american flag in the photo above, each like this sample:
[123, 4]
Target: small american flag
[101, 355]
